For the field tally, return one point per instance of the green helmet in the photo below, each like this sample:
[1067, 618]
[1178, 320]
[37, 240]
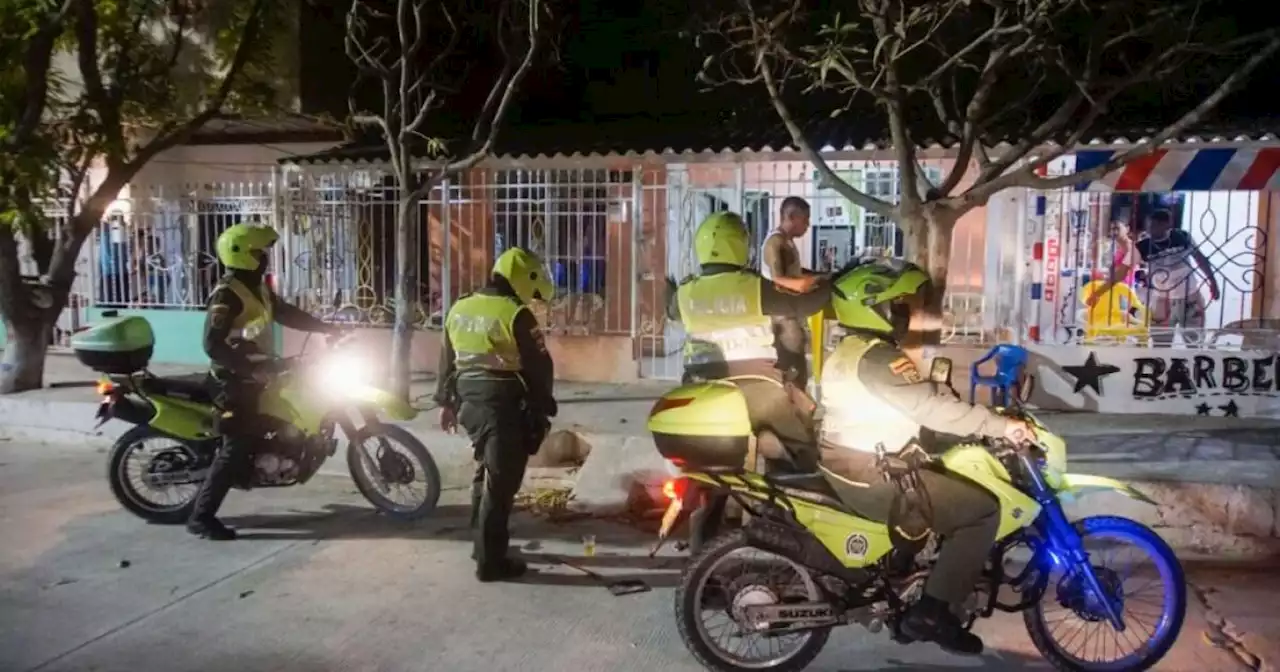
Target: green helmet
[861, 298]
[722, 238]
[244, 247]
[526, 274]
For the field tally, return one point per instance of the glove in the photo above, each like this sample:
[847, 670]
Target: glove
[539, 426]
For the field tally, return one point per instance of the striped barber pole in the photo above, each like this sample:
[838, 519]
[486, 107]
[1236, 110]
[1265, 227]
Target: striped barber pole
[1215, 169]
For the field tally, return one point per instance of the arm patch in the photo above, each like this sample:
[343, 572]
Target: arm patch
[904, 368]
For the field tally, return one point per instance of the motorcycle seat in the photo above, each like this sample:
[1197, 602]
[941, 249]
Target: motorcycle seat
[194, 387]
[810, 486]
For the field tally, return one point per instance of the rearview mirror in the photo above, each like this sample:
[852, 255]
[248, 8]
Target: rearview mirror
[940, 370]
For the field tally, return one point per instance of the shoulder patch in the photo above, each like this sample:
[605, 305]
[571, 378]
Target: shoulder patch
[904, 368]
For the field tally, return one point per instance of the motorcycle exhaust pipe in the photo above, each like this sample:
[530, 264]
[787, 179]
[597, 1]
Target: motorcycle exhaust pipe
[133, 411]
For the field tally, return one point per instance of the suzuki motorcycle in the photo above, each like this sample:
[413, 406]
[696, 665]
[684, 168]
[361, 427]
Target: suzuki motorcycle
[156, 468]
[805, 563]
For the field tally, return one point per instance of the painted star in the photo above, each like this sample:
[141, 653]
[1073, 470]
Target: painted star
[1202, 409]
[1230, 410]
[1090, 374]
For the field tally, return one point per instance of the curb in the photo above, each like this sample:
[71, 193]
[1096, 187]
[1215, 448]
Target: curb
[1231, 510]
[72, 423]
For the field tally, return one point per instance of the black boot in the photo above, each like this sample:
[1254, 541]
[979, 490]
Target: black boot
[931, 620]
[503, 570]
[217, 484]
[211, 528]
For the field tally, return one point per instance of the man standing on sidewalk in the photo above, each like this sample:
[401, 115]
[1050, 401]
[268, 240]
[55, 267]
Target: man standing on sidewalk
[782, 260]
[496, 380]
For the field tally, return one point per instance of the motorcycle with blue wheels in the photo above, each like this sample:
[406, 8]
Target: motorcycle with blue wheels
[805, 563]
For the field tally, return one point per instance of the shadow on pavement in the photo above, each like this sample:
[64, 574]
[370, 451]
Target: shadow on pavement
[449, 522]
[1008, 661]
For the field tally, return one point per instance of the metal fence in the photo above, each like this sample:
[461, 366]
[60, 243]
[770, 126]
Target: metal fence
[340, 242]
[677, 197]
[1200, 282]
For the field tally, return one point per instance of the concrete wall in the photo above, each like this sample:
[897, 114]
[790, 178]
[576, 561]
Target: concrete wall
[588, 359]
[1175, 381]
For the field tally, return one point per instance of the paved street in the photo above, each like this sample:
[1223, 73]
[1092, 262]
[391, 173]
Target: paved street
[320, 583]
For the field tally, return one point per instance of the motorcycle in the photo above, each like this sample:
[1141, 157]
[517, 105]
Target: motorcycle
[824, 565]
[301, 410]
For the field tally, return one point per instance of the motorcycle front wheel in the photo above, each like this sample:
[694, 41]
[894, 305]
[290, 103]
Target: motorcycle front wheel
[386, 461]
[1071, 627]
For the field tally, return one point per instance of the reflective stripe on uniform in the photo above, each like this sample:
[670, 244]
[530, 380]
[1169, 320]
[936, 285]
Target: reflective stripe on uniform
[723, 319]
[853, 417]
[481, 328]
[253, 323]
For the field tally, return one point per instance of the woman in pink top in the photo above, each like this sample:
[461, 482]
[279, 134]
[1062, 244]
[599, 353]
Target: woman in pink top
[1124, 262]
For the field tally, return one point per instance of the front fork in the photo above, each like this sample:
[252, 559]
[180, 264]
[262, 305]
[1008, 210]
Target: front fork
[348, 424]
[1065, 542]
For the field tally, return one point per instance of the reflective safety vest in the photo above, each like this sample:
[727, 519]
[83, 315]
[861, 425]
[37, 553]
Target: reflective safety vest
[253, 324]
[723, 319]
[481, 328]
[854, 417]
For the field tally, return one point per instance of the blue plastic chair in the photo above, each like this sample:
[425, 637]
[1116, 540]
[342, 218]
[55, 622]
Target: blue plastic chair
[1010, 361]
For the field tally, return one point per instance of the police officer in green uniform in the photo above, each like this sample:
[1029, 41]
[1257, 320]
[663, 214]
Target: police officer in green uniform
[239, 341]
[875, 400]
[726, 311]
[496, 380]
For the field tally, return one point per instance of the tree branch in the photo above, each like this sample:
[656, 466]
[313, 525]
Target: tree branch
[1026, 176]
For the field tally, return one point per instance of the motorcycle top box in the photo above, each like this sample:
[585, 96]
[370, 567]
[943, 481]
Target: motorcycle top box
[119, 346]
[703, 424]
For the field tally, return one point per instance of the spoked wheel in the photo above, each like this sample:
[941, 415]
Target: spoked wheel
[1139, 574]
[719, 585]
[155, 477]
[394, 471]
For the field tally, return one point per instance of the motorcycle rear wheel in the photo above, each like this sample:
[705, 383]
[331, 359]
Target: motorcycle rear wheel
[690, 602]
[129, 496]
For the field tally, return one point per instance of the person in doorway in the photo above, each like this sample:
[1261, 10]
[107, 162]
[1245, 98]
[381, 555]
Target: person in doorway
[241, 347]
[874, 399]
[1123, 253]
[496, 380]
[726, 311]
[782, 260]
[1173, 289]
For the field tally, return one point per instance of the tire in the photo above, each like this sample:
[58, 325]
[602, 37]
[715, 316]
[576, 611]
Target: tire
[127, 495]
[687, 611]
[1171, 571]
[370, 491]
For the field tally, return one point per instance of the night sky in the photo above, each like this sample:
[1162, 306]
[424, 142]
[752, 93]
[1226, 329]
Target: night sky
[622, 60]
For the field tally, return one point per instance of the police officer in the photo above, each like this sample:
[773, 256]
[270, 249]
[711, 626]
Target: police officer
[726, 311]
[875, 399]
[496, 380]
[241, 347]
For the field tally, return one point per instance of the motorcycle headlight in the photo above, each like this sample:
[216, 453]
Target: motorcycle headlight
[342, 371]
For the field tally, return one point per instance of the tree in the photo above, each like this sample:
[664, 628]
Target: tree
[414, 55]
[1012, 84]
[150, 74]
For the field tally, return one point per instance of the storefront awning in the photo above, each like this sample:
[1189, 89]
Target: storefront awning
[1210, 169]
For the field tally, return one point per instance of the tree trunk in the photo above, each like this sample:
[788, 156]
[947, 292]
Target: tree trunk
[26, 344]
[930, 248]
[406, 298]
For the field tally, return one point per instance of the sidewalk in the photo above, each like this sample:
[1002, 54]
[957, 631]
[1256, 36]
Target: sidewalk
[1216, 479]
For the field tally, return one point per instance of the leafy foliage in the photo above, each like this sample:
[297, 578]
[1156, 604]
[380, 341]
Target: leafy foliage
[110, 83]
